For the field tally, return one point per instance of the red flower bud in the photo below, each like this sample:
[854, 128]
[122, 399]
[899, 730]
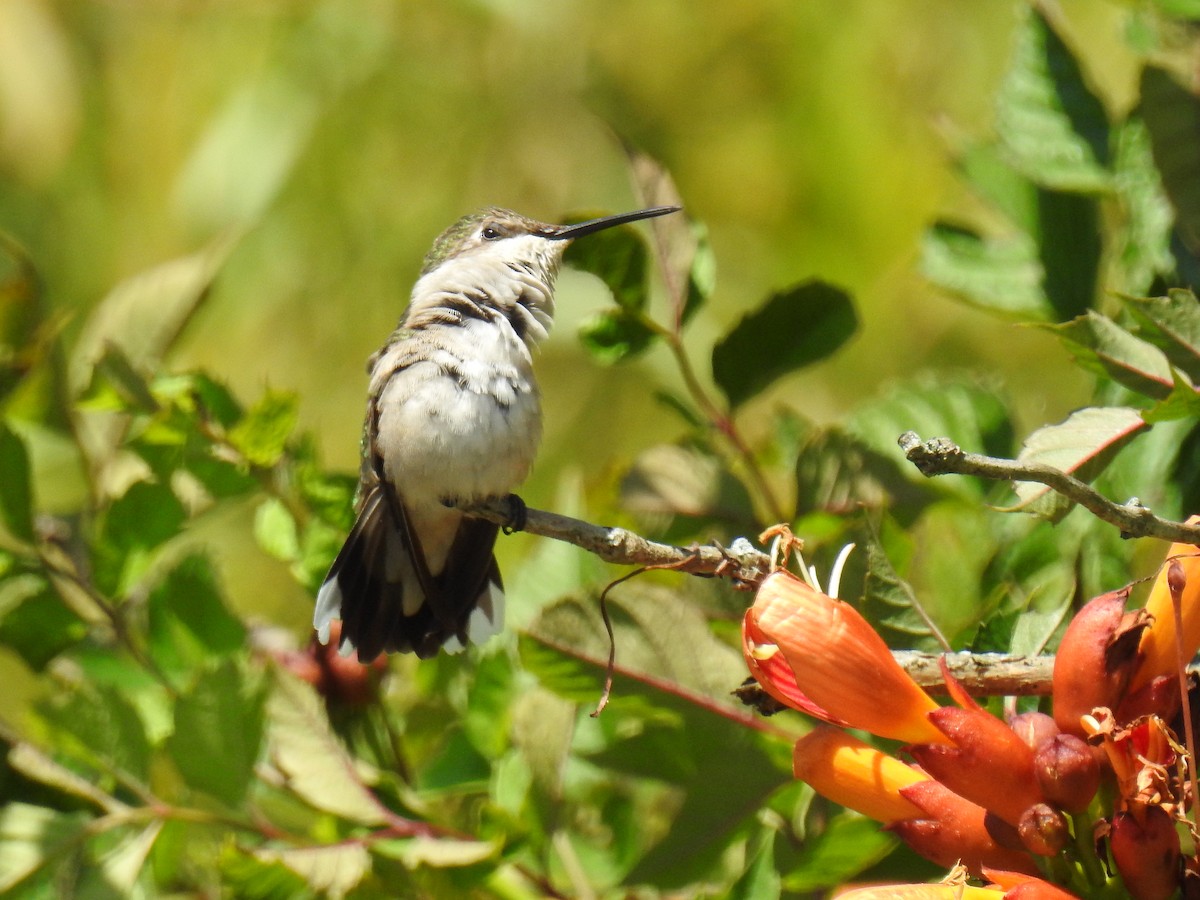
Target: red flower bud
[987, 764]
[1033, 728]
[1157, 697]
[1067, 770]
[955, 829]
[1095, 659]
[1145, 848]
[1043, 830]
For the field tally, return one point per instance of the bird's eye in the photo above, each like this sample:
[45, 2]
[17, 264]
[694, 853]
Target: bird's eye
[491, 233]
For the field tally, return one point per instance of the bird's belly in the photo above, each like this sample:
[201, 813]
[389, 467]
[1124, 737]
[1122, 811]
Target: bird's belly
[445, 436]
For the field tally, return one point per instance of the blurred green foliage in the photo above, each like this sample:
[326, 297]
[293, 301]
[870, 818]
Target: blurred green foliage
[211, 213]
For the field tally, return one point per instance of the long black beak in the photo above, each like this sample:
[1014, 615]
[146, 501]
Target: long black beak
[568, 232]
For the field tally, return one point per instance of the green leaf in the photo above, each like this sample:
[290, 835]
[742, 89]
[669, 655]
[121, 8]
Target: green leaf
[1182, 403]
[793, 329]
[1143, 235]
[275, 530]
[105, 724]
[439, 853]
[615, 335]
[617, 256]
[999, 274]
[760, 880]
[262, 435]
[32, 837]
[39, 626]
[489, 703]
[118, 869]
[142, 519]
[317, 766]
[888, 601]
[248, 875]
[848, 845]
[1102, 346]
[218, 733]
[1171, 323]
[16, 498]
[969, 412]
[1172, 114]
[1081, 445]
[1054, 129]
[189, 623]
[838, 473]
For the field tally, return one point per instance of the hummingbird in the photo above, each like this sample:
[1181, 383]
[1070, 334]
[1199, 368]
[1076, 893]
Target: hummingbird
[453, 417]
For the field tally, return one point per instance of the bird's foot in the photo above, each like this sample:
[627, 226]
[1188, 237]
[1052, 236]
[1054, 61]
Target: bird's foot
[516, 514]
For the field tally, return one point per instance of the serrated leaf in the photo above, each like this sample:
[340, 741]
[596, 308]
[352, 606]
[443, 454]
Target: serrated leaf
[1053, 127]
[889, 602]
[16, 497]
[32, 837]
[1102, 346]
[1081, 445]
[106, 726]
[306, 750]
[970, 413]
[218, 733]
[617, 256]
[614, 335]
[332, 870]
[1171, 323]
[1172, 114]
[262, 434]
[792, 329]
[1000, 274]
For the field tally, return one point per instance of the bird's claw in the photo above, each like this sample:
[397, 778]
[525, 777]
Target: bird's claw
[516, 514]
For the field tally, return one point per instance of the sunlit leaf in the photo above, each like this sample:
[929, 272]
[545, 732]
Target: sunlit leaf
[317, 766]
[761, 879]
[1001, 274]
[332, 870]
[1080, 445]
[1144, 234]
[32, 837]
[1102, 346]
[793, 329]
[212, 756]
[35, 765]
[120, 867]
[143, 518]
[1052, 125]
[263, 433]
[436, 852]
[1182, 403]
[105, 724]
[837, 473]
[275, 530]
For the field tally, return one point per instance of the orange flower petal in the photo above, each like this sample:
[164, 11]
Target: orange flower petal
[922, 892]
[855, 775]
[839, 662]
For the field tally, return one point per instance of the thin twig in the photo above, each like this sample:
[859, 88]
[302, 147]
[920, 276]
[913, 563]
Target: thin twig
[941, 456]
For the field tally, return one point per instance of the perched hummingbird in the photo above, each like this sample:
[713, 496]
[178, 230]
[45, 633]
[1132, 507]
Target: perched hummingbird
[453, 416]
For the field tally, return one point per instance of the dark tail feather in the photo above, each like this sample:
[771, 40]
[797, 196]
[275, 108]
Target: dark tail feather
[380, 561]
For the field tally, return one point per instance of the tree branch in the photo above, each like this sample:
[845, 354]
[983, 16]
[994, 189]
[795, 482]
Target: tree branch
[941, 456]
[740, 561]
[982, 674]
